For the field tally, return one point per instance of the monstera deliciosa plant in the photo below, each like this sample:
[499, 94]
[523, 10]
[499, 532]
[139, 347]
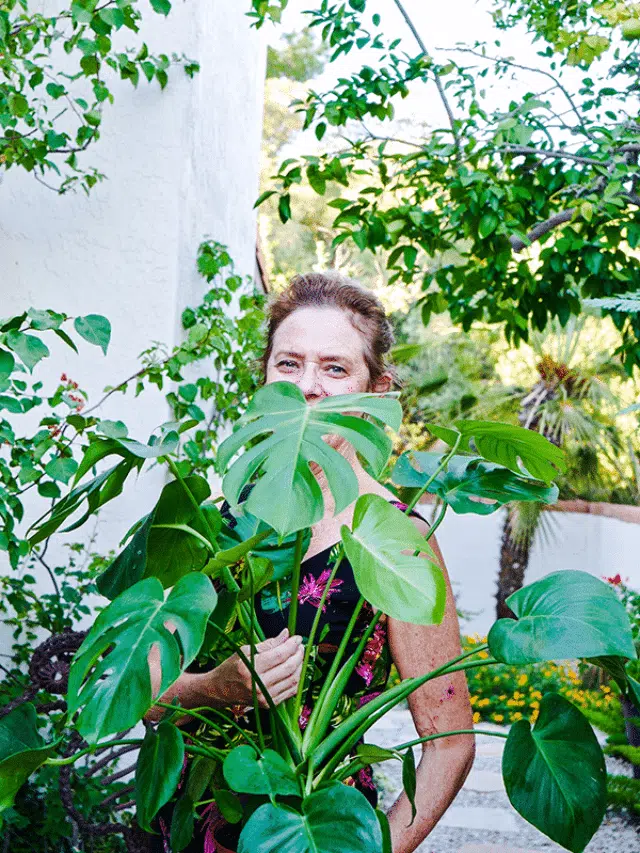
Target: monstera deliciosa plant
[186, 565]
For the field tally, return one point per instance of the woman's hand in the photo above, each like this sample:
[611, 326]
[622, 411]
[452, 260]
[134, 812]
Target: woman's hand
[278, 662]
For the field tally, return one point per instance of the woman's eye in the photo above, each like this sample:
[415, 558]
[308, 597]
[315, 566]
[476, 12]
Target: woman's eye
[289, 365]
[336, 369]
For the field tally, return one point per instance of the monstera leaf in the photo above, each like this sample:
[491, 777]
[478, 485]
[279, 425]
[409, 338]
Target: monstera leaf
[22, 751]
[403, 586]
[287, 495]
[522, 451]
[467, 479]
[555, 774]
[109, 681]
[567, 614]
[168, 543]
[335, 819]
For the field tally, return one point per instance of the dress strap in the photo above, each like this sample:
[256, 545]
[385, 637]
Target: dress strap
[402, 507]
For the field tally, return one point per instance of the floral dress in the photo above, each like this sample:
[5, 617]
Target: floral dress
[367, 681]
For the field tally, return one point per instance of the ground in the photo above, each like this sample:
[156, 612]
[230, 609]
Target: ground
[481, 819]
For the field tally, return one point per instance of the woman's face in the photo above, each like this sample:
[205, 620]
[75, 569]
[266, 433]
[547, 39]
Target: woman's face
[320, 351]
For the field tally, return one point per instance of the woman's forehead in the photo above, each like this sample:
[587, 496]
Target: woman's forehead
[319, 331]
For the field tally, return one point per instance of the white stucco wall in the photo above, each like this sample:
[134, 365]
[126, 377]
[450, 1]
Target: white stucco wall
[181, 165]
[471, 548]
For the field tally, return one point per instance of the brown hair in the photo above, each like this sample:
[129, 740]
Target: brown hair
[332, 290]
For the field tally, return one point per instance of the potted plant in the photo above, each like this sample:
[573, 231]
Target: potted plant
[185, 565]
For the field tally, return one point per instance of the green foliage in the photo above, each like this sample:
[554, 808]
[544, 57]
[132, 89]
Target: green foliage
[280, 415]
[112, 693]
[458, 210]
[624, 793]
[624, 750]
[51, 111]
[276, 829]
[299, 58]
[160, 764]
[401, 585]
[268, 773]
[22, 750]
[560, 748]
[466, 479]
[567, 614]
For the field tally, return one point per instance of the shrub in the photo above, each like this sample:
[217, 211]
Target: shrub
[624, 792]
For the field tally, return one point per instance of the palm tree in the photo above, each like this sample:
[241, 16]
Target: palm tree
[573, 404]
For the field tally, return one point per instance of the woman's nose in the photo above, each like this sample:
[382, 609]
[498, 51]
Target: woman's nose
[309, 382]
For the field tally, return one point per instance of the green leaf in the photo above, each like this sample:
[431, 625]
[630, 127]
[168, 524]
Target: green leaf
[292, 437]
[336, 819]
[383, 820]
[109, 681]
[248, 772]
[405, 587]
[162, 7]
[167, 553]
[372, 754]
[11, 404]
[112, 429]
[279, 553]
[167, 445]
[566, 614]
[94, 328]
[555, 775]
[7, 363]
[182, 823]
[522, 451]
[65, 337]
[409, 780]
[468, 478]
[260, 575]
[29, 349]
[61, 468]
[43, 320]
[158, 771]
[488, 224]
[22, 751]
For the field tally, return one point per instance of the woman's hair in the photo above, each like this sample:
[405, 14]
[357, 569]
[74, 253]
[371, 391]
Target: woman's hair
[332, 290]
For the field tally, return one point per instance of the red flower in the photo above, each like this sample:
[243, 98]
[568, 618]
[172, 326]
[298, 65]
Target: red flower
[63, 378]
[616, 580]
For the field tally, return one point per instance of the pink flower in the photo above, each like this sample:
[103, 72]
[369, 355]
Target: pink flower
[303, 719]
[616, 580]
[368, 697]
[371, 653]
[211, 820]
[312, 589]
[365, 777]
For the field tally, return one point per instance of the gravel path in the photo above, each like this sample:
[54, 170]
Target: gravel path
[481, 819]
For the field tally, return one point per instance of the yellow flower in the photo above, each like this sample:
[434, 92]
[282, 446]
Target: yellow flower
[498, 718]
[476, 717]
[516, 716]
[605, 688]
[535, 704]
[503, 697]
[483, 655]
[473, 700]
[523, 679]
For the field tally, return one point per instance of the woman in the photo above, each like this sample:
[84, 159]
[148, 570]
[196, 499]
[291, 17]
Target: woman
[329, 336]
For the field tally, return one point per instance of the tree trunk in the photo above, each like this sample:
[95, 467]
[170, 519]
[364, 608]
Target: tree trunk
[514, 559]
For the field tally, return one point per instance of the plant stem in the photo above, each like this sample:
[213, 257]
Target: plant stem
[203, 518]
[314, 628]
[439, 519]
[441, 467]
[71, 759]
[426, 739]
[295, 583]
[193, 712]
[252, 650]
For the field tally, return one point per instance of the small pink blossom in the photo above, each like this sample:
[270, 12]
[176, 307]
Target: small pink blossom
[365, 777]
[312, 589]
[368, 697]
[303, 719]
[372, 652]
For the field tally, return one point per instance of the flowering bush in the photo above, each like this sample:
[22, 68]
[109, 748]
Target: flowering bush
[506, 694]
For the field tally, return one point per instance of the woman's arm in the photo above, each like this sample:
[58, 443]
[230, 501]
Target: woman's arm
[278, 661]
[440, 705]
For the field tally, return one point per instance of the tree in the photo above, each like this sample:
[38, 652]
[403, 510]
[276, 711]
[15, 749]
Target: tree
[51, 105]
[526, 208]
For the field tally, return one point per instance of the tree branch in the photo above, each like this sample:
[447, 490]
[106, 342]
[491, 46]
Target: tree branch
[548, 74]
[555, 154]
[542, 228]
[438, 81]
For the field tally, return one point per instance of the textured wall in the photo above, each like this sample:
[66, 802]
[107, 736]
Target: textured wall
[181, 164]
[471, 548]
